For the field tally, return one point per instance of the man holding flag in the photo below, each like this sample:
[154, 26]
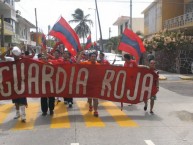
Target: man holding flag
[67, 36]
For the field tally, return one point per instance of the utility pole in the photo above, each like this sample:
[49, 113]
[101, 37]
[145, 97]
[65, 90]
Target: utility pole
[109, 32]
[131, 14]
[49, 36]
[2, 34]
[36, 35]
[95, 21]
[101, 39]
[96, 24]
[36, 21]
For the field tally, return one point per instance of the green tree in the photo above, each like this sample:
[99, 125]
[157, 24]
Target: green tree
[113, 43]
[82, 28]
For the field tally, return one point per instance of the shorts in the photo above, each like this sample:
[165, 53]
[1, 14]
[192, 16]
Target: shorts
[153, 98]
[20, 101]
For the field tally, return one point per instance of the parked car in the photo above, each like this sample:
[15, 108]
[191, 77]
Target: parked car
[119, 60]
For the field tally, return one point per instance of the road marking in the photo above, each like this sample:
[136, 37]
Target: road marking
[119, 116]
[180, 81]
[31, 115]
[60, 118]
[4, 110]
[74, 143]
[89, 119]
[149, 142]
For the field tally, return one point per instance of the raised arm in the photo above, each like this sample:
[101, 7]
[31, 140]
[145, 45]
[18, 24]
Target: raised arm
[2, 56]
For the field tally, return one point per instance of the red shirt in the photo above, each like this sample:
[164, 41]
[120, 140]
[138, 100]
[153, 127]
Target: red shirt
[104, 62]
[56, 61]
[67, 61]
[89, 62]
[130, 64]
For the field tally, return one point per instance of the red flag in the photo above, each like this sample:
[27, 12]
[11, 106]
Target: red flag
[89, 42]
[43, 39]
[131, 43]
[95, 45]
[67, 35]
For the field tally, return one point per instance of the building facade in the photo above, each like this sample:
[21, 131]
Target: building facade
[124, 22]
[16, 28]
[168, 14]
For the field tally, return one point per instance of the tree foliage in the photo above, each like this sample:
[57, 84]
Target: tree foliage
[82, 28]
[168, 40]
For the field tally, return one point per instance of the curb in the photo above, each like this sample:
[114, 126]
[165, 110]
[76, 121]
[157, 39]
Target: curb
[186, 77]
[161, 77]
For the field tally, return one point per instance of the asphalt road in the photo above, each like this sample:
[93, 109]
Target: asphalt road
[172, 123]
[183, 87]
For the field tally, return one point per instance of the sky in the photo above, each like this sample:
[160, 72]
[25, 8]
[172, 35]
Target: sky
[49, 11]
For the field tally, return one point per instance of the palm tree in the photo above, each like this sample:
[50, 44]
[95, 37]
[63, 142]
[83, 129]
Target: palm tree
[82, 29]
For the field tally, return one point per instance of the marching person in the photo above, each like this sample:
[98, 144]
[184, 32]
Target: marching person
[102, 60]
[152, 98]
[93, 102]
[67, 60]
[20, 103]
[129, 62]
[46, 102]
[56, 59]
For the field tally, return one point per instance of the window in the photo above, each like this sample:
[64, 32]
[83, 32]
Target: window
[126, 24]
[121, 29]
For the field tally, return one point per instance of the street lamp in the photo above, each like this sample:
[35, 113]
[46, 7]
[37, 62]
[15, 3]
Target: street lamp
[95, 21]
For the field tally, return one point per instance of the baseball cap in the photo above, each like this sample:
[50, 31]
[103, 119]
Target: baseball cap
[16, 51]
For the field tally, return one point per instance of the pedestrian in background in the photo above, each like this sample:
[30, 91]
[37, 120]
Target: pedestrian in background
[150, 56]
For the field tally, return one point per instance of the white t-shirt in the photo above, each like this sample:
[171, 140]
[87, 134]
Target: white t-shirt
[7, 58]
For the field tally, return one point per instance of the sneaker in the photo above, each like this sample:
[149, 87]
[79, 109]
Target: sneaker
[96, 114]
[151, 112]
[70, 105]
[44, 114]
[23, 120]
[145, 108]
[51, 112]
[17, 116]
[90, 108]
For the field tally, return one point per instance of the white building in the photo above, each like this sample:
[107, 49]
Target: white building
[124, 21]
[16, 28]
[23, 27]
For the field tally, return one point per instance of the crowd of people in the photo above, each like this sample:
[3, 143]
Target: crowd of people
[58, 57]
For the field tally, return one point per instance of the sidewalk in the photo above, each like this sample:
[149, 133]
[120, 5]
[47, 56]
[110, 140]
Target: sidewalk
[173, 76]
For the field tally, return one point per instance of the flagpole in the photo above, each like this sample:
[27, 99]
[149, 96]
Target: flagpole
[131, 14]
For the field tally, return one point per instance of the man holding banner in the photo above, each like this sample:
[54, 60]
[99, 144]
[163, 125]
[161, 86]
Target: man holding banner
[20, 103]
[91, 61]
